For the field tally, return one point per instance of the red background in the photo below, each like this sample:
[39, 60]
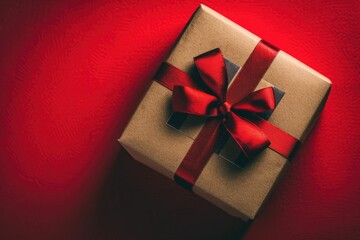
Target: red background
[71, 73]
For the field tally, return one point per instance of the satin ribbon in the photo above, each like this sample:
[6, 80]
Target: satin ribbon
[214, 103]
[233, 110]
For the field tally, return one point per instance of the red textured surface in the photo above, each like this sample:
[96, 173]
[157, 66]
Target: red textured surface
[71, 73]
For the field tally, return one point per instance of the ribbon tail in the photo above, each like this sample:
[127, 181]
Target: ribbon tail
[249, 137]
[281, 141]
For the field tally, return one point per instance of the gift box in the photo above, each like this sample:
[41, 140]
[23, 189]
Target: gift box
[228, 140]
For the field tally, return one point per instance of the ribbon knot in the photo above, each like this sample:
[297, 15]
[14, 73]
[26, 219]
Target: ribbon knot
[224, 108]
[213, 102]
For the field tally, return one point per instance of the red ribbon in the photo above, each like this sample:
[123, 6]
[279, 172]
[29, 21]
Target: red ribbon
[234, 109]
[213, 103]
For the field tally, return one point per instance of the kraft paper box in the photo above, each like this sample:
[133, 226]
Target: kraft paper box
[239, 191]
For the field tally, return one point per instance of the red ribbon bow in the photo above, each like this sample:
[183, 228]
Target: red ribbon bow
[214, 102]
[235, 109]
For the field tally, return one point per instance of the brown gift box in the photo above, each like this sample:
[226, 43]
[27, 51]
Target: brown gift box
[239, 191]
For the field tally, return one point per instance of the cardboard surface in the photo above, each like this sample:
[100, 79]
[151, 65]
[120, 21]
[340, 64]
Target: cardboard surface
[240, 192]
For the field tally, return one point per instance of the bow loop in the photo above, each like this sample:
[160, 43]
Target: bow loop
[212, 70]
[193, 101]
[257, 102]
